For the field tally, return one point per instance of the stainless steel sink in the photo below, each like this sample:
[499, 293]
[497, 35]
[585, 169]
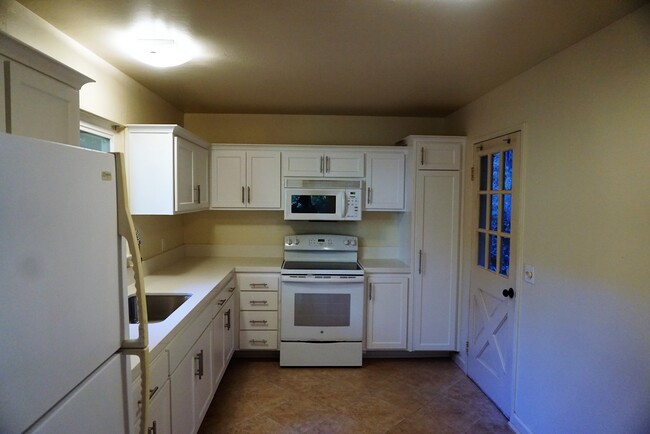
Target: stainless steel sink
[159, 306]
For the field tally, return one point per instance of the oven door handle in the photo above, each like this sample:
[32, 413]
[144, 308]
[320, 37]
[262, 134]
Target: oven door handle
[326, 280]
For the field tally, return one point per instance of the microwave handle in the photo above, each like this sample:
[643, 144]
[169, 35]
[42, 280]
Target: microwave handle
[345, 205]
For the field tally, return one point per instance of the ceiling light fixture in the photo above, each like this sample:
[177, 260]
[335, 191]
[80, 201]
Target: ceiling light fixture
[157, 44]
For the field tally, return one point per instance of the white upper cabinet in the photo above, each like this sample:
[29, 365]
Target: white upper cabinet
[331, 164]
[437, 152]
[39, 97]
[385, 181]
[245, 179]
[168, 170]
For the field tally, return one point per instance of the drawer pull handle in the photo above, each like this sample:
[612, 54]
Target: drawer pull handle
[231, 289]
[257, 341]
[152, 392]
[221, 302]
[199, 358]
[264, 302]
[259, 285]
[258, 321]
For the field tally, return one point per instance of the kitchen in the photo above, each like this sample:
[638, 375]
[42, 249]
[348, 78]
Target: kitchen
[571, 124]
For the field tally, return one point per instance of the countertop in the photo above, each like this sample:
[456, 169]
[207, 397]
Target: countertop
[384, 266]
[197, 276]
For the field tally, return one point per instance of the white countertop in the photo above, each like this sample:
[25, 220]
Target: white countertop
[197, 276]
[384, 266]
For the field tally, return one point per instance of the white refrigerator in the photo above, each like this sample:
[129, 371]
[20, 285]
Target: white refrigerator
[64, 337]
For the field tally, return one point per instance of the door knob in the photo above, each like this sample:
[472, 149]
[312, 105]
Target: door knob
[509, 293]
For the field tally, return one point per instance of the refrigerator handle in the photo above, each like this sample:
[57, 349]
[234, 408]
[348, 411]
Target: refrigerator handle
[138, 346]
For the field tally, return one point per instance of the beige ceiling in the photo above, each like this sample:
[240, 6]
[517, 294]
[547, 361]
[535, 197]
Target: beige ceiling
[347, 57]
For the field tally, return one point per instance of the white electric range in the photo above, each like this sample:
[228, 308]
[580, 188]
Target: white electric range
[321, 301]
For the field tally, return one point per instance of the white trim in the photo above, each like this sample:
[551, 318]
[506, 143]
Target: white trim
[517, 425]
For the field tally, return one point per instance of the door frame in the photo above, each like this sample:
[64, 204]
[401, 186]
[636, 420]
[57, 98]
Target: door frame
[468, 213]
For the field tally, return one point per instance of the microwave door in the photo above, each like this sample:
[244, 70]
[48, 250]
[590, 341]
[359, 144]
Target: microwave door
[314, 204]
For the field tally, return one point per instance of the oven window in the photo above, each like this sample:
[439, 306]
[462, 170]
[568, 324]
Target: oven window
[322, 310]
[313, 204]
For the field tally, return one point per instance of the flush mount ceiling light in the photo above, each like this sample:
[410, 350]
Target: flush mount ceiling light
[159, 45]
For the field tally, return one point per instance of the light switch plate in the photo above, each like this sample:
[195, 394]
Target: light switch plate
[529, 274]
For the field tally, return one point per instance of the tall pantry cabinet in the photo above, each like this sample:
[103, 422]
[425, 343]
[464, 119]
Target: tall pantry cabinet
[435, 241]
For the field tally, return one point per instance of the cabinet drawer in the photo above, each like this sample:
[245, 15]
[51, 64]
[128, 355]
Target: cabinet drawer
[222, 298]
[158, 374]
[258, 320]
[258, 300]
[258, 282]
[258, 340]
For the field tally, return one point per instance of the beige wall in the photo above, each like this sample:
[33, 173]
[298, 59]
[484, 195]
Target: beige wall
[308, 129]
[584, 326]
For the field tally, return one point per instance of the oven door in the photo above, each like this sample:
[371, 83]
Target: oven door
[314, 204]
[322, 309]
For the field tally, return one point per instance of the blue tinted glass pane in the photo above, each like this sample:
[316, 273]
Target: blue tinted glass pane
[93, 141]
[507, 213]
[505, 256]
[493, 253]
[482, 211]
[494, 212]
[496, 163]
[507, 170]
[484, 173]
[481, 250]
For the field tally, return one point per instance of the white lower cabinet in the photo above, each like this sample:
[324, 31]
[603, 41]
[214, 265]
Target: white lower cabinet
[160, 412]
[191, 385]
[223, 337]
[386, 327]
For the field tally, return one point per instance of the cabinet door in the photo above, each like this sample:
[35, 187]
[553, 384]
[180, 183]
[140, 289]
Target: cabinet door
[40, 106]
[438, 154]
[344, 164]
[218, 340]
[228, 179]
[436, 253]
[201, 166]
[263, 180]
[184, 186]
[387, 312]
[160, 412]
[303, 163]
[229, 331]
[191, 385]
[385, 181]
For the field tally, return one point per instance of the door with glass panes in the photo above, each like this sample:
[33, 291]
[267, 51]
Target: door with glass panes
[492, 280]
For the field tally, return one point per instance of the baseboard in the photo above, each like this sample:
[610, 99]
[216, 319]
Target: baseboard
[393, 354]
[461, 362]
[517, 425]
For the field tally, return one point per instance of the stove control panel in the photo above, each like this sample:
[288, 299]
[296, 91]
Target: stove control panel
[321, 242]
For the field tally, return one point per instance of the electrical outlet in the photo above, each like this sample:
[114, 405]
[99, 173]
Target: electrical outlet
[529, 274]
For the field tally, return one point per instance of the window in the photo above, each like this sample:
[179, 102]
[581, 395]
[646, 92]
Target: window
[96, 138]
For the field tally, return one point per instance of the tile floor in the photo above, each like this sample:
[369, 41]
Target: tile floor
[384, 396]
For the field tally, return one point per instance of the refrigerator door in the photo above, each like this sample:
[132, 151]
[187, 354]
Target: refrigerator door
[95, 406]
[61, 311]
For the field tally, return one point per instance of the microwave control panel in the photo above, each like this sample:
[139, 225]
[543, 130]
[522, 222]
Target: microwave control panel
[353, 205]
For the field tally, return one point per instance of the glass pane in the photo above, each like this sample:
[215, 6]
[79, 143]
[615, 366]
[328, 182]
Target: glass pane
[493, 253]
[494, 212]
[322, 310]
[496, 163]
[507, 213]
[482, 211]
[92, 141]
[313, 204]
[481, 250]
[484, 173]
[507, 170]
[505, 256]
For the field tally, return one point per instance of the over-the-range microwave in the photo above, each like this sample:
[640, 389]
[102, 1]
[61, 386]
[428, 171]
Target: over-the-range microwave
[322, 199]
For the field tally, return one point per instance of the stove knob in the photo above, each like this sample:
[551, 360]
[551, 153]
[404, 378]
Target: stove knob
[296, 242]
[289, 242]
[346, 242]
[353, 242]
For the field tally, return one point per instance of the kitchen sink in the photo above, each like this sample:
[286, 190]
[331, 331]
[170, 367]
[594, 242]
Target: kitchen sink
[159, 306]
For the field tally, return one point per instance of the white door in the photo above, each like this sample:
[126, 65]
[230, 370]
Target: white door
[344, 164]
[387, 312]
[492, 280]
[263, 179]
[385, 180]
[228, 179]
[201, 164]
[184, 191]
